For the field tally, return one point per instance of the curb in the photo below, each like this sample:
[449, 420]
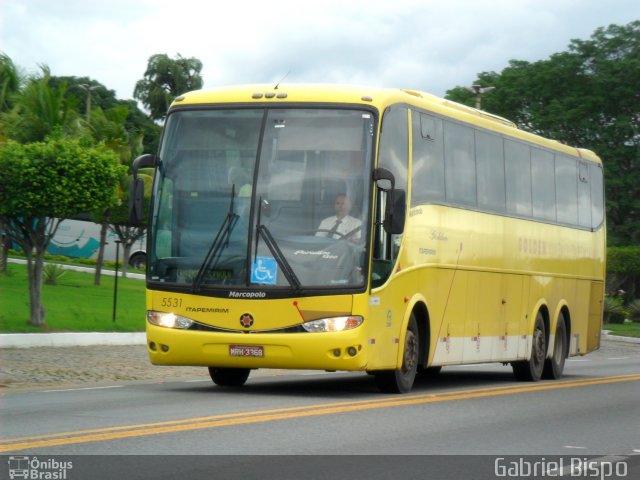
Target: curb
[108, 273]
[70, 339]
[618, 338]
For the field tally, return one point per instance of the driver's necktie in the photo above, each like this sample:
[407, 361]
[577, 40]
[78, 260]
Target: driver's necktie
[334, 229]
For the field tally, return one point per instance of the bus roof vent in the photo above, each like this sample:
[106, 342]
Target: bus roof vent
[413, 92]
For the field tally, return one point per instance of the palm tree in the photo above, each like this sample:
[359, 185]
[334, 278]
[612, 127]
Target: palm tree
[108, 127]
[40, 110]
[9, 82]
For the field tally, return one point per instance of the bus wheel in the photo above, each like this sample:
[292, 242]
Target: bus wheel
[531, 370]
[138, 260]
[554, 366]
[401, 380]
[229, 377]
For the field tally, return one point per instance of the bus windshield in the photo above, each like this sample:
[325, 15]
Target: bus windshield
[262, 198]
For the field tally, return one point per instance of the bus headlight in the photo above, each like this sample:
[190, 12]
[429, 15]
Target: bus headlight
[169, 320]
[335, 324]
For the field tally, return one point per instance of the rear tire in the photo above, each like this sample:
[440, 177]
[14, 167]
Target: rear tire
[229, 377]
[554, 366]
[401, 380]
[531, 370]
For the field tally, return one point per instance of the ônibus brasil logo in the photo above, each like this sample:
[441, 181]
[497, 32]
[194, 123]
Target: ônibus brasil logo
[38, 469]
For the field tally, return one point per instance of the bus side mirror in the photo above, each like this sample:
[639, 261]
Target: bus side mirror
[395, 212]
[384, 179]
[136, 188]
[396, 205]
[144, 161]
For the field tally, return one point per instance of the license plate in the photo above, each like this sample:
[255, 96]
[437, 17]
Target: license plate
[246, 350]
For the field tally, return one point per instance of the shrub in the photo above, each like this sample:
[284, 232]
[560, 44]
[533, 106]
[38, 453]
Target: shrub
[623, 271]
[634, 311]
[51, 273]
[614, 311]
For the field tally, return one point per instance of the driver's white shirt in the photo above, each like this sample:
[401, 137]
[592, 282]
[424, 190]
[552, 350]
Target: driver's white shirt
[348, 224]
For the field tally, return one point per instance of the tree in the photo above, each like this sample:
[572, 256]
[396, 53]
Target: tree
[45, 104]
[127, 233]
[586, 97]
[9, 82]
[122, 127]
[42, 183]
[108, 128]
[103, 100]
[40, 110]
[9, 87]
[164, 80]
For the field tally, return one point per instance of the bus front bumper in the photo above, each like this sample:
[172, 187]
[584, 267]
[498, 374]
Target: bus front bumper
[345, 350]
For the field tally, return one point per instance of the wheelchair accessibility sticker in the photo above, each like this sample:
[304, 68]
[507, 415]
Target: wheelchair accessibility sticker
[264, 271]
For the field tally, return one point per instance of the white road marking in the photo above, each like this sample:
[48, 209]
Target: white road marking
[84, 388]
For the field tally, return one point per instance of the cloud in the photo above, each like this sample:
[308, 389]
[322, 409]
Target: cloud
[430, 45]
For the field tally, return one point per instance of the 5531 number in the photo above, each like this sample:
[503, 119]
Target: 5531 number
[171, 302]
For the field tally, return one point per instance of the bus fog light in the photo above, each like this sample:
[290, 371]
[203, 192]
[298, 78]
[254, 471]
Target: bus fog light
[352, 351]
[168, 320]
[335, 324]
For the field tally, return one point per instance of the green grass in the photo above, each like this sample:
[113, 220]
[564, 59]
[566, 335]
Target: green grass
[74, 305]
[623, 329]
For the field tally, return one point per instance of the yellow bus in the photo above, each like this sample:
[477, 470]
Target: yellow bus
[367, 229]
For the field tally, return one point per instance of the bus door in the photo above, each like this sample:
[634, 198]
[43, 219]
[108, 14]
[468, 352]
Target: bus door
[388, 285]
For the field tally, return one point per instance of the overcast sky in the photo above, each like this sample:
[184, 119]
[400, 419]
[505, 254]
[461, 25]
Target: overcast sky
[429, 45]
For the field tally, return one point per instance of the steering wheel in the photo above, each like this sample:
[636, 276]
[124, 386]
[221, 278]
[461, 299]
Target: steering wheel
[326, 230]
[342, 236]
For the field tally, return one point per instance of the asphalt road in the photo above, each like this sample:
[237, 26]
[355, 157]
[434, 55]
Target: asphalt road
[594, 410]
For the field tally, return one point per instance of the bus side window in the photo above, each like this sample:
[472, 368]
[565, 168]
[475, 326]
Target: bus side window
[428, 159]
[597, 196]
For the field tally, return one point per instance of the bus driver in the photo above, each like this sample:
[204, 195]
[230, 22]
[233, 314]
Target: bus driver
[340, 225]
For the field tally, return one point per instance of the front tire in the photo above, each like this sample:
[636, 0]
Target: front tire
[401, 380]
[554, 366]
[138, 261]
[531, 370]
[229, 377]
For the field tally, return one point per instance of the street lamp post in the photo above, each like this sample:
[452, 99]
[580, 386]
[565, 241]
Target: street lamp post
[88, 88]
[115, 283]
[478, 91]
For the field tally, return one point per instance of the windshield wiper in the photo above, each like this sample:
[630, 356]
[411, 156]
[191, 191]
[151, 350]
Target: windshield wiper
[272, 245]
[281, 260]
[221, 239]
